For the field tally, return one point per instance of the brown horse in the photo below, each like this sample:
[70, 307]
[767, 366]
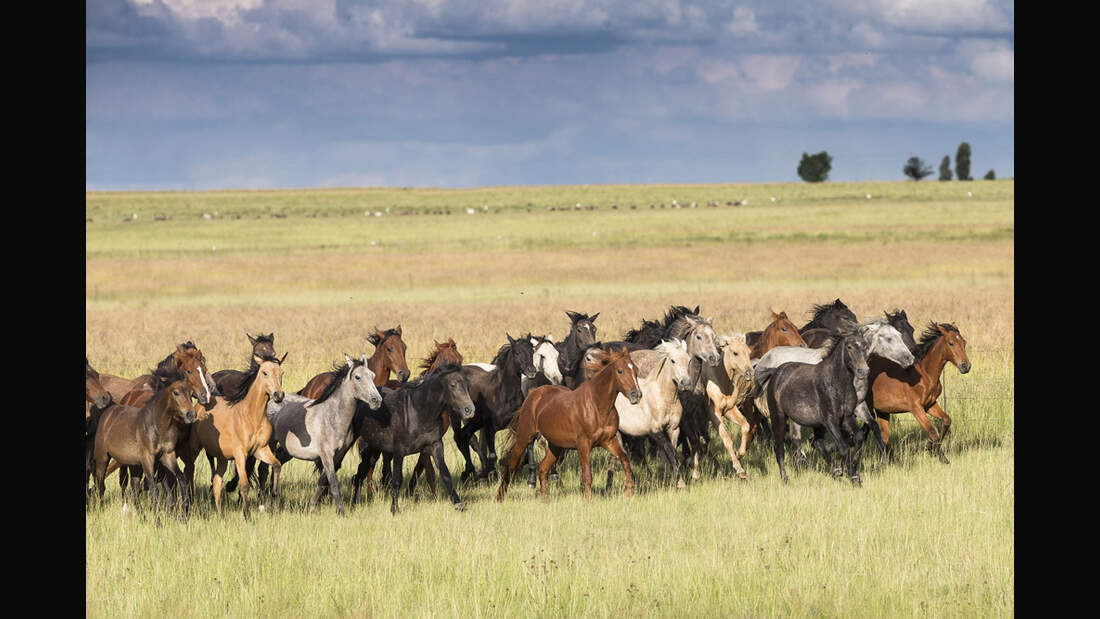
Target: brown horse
[94, 392]
[915, 389]
[580, 419]
[236, 427]
[263, 346]
[188, 359]
[145, 437]
[389, 356]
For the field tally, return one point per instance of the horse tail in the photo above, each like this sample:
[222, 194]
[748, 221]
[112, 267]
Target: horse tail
[760, 378]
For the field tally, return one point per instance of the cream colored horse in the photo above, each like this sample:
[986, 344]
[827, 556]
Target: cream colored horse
[726, 386]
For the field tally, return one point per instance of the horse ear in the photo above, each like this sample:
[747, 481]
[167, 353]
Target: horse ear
[257, 359]
[284, 357]
[364, 359]
[783, 315]
[348, 359]
[397, 330]
[451, 341]
[572, 315]
[549, 337]
[510, 340]
[593, 318]
[251, 339]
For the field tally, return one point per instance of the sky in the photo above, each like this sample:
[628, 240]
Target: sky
[265, 94]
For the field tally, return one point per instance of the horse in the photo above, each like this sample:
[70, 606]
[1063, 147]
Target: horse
[95, 393]
[580, 419]
[389, 356]
[779, 332]
[882, 339]
[320, 430]
[497, 394]
[234, 427]
[657, 414]
[262, 346]
[97, 399]
[898, 320]
[894, 389]
[410, 420]
[188, 359]
[725, 390]
[582, 334]
[146, 436]
[821, 396]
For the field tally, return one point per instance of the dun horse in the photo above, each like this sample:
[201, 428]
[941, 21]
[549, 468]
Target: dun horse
[579, 419]
[236, 427]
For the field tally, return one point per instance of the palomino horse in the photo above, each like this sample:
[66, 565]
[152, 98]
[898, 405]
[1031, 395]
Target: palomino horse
[236, 427]
[144, 437]
[724, 389]
[263, 346]
[389, 356]
[321, 430]
[410, 420]
[579, 419]
[821, 396]
[658, 413]
[915, 389]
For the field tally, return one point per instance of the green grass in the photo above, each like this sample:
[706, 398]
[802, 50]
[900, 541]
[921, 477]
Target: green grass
[918, 538]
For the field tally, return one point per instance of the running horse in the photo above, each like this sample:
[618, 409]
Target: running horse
[579, 419]
[916, 389]
[262, 346]
[389, 356]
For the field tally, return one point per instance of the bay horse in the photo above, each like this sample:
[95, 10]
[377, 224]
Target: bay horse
[497, 394]
[579, 419]
[96, 400]
[95, 393]
[234, 427]
[186, 357]
[821, 396]
[262, 346]
[389, 356]
[141, 438]
[894, 389]
[410, 420]
[321, 430]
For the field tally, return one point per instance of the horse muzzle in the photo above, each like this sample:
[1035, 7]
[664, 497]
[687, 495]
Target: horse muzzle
[634, 396]
[861, 372]
[685, 385]
[714, 360]
[374, 403]
[907, 360]
[103, 401]
[964, 367]
[278, 396]
[190, 416]
[532, 373]
[403, 376]
[468, 411]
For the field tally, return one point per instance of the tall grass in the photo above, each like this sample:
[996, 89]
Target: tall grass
[917, 538]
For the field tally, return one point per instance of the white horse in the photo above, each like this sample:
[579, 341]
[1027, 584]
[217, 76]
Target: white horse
[726, 387]
[658, 413]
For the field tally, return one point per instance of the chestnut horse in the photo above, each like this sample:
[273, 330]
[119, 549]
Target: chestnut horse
[187, 356]
[915, 389]
[780, 332]
[235, 427]
[579, 419]
[146, 436]
[389, 356]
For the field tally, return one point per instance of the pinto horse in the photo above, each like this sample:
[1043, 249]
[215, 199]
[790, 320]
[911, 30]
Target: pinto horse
[579, 419]
[236, 427]
[389, 356]
[141, 438]
[915, 389]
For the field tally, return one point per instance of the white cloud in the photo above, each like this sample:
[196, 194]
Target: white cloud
[743, 22]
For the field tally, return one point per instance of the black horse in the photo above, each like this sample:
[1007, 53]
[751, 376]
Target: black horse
[582, 334]
[409, 420]
[900, 321]
[820, 396]
[497, 395]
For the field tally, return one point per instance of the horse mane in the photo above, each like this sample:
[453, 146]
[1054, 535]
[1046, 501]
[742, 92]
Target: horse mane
[246, 383]
[170, 361]
[819, 312]
[339, 374]
[448, 367]
[164, 375]
[576, 317]
[427, 362]
[374, 338]
[667, 347]
[502, 354]
[929, 336]
[677, 322]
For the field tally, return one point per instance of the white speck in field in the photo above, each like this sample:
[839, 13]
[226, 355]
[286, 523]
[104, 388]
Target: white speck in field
[206, 215]
[773, 198]
[213, 248]
[868, 196]
[378, 213]
[969, 195]
[469, 211]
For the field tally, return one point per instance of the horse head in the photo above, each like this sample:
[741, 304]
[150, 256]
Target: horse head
[736, 355]
[456, 389]
[545, 358]
[955, 349]
[582, 328]
[94, 391]
[624, 375]
[900, 321]
[391, 347]
[361, 379]
[518, 357]
[270, 375]
[190, 360]
[676, 358]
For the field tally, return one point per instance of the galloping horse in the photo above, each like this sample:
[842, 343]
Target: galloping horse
[189, 360]
[582, 334]
[389, 356]
[725, 389]
[779, 332]
[141, 438]
[236, 427]
[894, 389]
[578, 419]
[321, 430]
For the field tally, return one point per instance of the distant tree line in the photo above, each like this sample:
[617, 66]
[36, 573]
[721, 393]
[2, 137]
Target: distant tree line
[815, 168]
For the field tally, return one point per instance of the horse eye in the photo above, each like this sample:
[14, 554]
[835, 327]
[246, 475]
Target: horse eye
[951, 343]
[188, 371]
[698, 337]
[265, 373]
[620, 371]
[673, 361]
[783, 329]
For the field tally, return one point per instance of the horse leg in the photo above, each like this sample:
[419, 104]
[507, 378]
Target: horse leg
[842, 447]
[584, 449]
[553, 454]
[266, 456]
[727, 440]
[615, 446]
[333, 484]
[524, 434]
[487, 442]
[667, 452]
[918, 411]
[884, 434]
[445, 475]
[462, 441]
[531, 466]
[366, 467]
[779, 431]
[168, 461]
[937, 411]
[396, 465]
[820, 444]
[220, 465]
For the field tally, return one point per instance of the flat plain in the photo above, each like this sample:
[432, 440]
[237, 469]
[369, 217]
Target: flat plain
[322, 268]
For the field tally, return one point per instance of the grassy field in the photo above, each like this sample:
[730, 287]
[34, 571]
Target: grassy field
[919, 538]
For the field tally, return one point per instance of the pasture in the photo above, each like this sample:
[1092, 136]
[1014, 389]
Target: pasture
[918, 538]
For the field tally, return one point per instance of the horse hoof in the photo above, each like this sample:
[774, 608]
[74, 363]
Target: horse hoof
[742, 475]
[460, 506]
[553, 477]
[856, 481]
[531, 485]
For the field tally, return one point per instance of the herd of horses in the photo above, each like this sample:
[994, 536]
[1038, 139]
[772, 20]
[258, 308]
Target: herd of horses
[657, 392]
